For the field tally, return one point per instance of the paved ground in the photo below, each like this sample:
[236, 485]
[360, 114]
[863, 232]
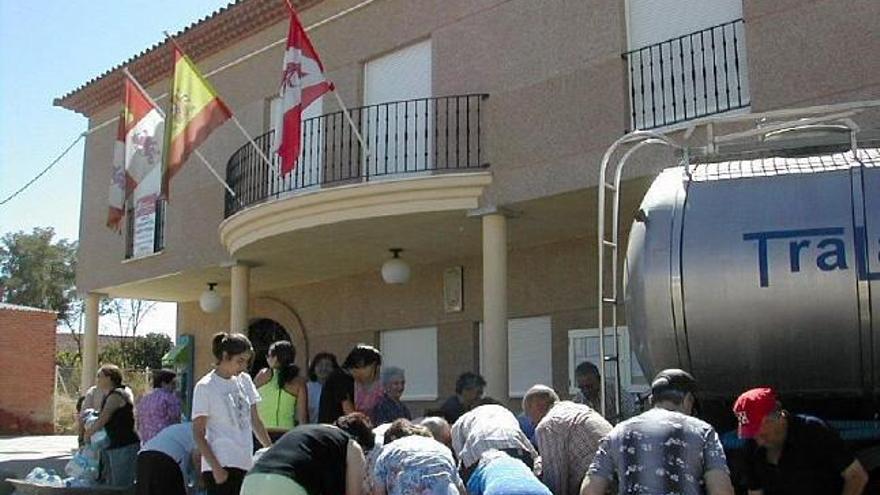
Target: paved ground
[18, 455]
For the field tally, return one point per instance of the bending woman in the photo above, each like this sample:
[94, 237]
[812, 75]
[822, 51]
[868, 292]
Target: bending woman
[314, 460]
[225, 416]
[285, 402]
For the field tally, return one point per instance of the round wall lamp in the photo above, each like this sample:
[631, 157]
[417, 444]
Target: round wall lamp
[210, 301]
[395, 270]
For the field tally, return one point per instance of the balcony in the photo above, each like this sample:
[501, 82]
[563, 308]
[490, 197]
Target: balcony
[688, 77]
[420, 137]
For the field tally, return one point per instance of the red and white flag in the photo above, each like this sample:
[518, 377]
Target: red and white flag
[137, 165]
[137, 153]
[119, 188]
[302, 83]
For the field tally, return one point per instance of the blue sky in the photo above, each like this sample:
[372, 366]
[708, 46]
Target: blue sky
[48, 48]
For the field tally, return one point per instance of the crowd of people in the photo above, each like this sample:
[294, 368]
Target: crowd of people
[345, 430]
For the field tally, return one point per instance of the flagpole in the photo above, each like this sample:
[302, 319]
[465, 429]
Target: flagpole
[354, 128]
[247, 135]
[244, 131]
[222, 181]
[162, 113]
[357, 133]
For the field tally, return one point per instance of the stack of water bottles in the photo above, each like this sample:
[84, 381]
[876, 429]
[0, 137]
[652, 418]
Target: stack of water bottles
[45, 477]
[83, 467]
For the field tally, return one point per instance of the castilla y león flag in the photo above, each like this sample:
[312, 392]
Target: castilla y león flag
[302, 82]
[137, 154]
[196, 111]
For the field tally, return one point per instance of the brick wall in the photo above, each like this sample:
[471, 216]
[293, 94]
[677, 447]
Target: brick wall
[27, 370]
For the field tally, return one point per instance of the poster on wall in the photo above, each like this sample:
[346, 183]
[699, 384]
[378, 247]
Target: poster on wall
[144, 239]
[145, 216]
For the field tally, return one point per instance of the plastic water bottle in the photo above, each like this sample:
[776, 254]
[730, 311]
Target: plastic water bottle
[54, 480]
[99, 439]
[37, 475]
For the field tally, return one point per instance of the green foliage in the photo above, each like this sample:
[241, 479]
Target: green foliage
[137, 352]
[67, 358]
[37, 271]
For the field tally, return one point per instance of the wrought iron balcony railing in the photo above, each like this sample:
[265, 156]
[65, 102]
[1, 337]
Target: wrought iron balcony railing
[421, 136]
[691, 76]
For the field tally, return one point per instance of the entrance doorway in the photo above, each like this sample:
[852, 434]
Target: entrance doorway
[263, 333]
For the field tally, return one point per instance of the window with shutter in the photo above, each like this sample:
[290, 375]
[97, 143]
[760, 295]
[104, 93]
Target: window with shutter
[686, 59]
[529, 353]
[415, 351]
[400, 127]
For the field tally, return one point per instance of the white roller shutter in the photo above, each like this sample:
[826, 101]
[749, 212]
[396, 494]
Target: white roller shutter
[529, 354]
[415, 351]
[400, 135]
[653, 21]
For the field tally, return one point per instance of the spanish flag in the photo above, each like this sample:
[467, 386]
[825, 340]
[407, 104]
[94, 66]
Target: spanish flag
[196, 111]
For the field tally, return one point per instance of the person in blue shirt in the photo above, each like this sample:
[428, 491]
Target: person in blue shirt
[525, 424]
[166, 461]
[500, 474]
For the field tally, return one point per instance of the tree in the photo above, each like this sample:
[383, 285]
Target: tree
[37, 271]
[74, 321]
[138, 352]
[130, 313]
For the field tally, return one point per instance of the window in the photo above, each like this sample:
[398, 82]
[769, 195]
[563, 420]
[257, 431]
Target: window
[686, 59]
[529, 354]
[653, 21]
[414, 350]
[400, 134]
[583, 345]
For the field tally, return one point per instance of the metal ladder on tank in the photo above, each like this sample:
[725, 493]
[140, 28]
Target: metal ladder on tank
[608, 247]
[609, 297]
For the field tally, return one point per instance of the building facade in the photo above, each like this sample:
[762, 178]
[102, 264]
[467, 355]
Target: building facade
[483, 126]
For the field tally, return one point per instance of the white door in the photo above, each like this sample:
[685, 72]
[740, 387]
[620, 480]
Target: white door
[398, 123]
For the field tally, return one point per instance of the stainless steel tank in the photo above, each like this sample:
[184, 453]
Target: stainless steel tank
[761, 272]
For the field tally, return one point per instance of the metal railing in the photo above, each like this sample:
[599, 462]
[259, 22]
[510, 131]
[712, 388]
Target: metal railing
[420, 136]
[158, 228]
[691, 76]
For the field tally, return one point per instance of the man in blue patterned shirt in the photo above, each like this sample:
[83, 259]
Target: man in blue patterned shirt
[664, 450]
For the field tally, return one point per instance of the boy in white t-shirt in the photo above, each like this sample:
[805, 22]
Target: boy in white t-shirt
[225, 416]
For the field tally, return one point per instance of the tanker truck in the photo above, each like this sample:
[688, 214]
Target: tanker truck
[754, 261]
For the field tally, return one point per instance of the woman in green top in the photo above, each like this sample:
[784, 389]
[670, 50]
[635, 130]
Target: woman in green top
[284, 401]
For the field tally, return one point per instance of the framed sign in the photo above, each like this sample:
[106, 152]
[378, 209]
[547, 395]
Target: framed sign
[453, 300]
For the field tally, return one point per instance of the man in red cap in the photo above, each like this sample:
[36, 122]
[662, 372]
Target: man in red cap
[793, 454]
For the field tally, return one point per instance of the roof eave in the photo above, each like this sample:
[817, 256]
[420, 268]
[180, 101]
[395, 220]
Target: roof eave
[225, 27]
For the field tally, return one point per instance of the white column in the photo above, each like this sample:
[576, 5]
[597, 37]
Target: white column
[241, 281]
[495, 306]
[90, 342]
